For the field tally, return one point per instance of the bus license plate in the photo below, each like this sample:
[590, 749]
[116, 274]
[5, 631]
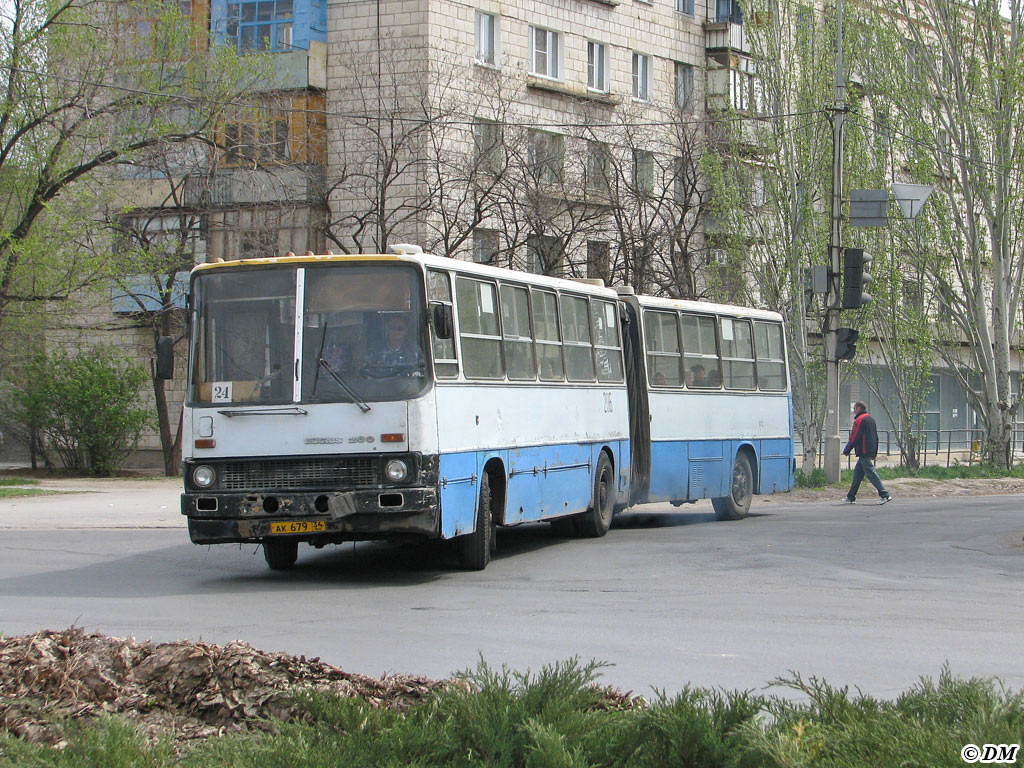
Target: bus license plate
[298, 526]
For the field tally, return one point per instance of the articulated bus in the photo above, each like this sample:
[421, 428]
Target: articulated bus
[404, 396]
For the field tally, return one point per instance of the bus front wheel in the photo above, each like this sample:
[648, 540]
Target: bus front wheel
[597, 520]
[475, 547]
[736, 505]
[281, 554]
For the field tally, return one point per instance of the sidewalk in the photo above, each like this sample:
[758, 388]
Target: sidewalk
[96, 503]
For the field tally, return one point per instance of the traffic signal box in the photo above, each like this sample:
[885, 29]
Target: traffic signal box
[846, 343]
[856, 278]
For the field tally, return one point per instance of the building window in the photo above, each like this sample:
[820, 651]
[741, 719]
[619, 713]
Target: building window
[486, 38]
[685, 181]
[487, 139]
[684, 85]
[741, 90]
[597, 66]
[598, 260]
[641, 76]
[544, 255]
[544, 53]
[485, 246]
[728, 10]
[260, 136]
[685, 6]
[547, 156]
[643, 171]
[263, 25]
[598, 167]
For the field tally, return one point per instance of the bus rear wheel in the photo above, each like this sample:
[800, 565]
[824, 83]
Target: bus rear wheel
[736, 505]
[597, 520]
[475, 547]
[281, 554]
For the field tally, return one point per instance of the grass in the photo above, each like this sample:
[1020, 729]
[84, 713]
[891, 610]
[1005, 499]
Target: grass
[11, 493]
[18, 481]
[956, 471]
[556, 719]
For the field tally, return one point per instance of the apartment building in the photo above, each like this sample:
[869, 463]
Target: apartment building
[555, 136]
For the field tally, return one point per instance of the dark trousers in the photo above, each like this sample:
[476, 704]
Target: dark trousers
[865, 467]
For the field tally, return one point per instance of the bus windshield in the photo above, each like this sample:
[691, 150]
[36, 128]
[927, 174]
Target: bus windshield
[360, 338]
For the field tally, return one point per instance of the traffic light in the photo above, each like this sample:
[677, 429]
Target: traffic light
[856, 278]
[846, 343]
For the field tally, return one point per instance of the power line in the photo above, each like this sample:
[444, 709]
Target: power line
[893, 133]
[468, 122]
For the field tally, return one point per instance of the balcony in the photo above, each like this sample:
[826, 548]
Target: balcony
[725, 35]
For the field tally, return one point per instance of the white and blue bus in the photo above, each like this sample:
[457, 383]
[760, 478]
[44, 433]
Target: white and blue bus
[404, 396]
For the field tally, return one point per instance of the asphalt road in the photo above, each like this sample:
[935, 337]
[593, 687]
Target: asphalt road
[870, 597]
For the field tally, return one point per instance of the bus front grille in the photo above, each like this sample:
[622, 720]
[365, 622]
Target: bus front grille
[297, 473]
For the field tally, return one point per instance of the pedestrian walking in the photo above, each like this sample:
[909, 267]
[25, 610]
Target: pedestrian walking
[864, 443]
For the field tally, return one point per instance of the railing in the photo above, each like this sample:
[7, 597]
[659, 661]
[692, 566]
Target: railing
[963, 446]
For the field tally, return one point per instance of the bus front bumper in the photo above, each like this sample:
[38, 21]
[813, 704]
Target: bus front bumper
[221, 518]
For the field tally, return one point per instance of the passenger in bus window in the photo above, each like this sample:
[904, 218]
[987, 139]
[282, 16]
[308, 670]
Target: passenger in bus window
[689, 377]
[700, 378]
[714, 380]
[396, 353]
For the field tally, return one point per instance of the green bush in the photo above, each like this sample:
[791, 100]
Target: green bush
[85, 408]
[813, 479]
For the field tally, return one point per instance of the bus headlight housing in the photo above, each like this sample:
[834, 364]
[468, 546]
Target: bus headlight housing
[396, 470]
[203, 476]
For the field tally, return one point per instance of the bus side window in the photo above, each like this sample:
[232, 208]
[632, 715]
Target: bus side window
[700, 351]
[579, 354]
[479, 334]
[515, 327]
[548, 342]
[737, 353]
[439, 291]
[607, 347]
[771, 362]
[661, 336]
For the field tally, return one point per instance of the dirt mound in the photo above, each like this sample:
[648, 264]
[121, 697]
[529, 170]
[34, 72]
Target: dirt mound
[188, 689]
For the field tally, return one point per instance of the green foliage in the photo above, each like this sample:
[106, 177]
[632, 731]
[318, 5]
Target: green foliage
[18, 481]
[813, 479]
[926, 726]
[553, 720]
[106, 743]
[85, 408]
[956, 471]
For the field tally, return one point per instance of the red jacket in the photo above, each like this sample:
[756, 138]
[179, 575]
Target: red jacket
[863, 437]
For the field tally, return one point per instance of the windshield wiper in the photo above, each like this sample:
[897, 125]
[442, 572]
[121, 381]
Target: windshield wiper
[363, 406]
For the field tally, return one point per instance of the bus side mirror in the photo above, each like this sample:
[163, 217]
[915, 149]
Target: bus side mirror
[164, 357]
[444, 326]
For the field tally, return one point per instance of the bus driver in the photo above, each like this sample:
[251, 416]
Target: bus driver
[397, 353]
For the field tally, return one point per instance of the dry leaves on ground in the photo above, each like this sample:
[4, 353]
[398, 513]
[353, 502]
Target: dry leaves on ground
[188, 690]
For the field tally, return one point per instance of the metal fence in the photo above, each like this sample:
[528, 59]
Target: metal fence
[939, 446]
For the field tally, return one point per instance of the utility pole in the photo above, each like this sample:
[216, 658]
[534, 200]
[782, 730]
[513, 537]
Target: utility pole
[833, 299]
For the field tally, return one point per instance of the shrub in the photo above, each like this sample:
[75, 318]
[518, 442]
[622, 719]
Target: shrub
[85, 408]
[813, 479]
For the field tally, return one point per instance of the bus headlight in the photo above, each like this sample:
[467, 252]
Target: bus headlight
[203, 476]
[396, 470]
